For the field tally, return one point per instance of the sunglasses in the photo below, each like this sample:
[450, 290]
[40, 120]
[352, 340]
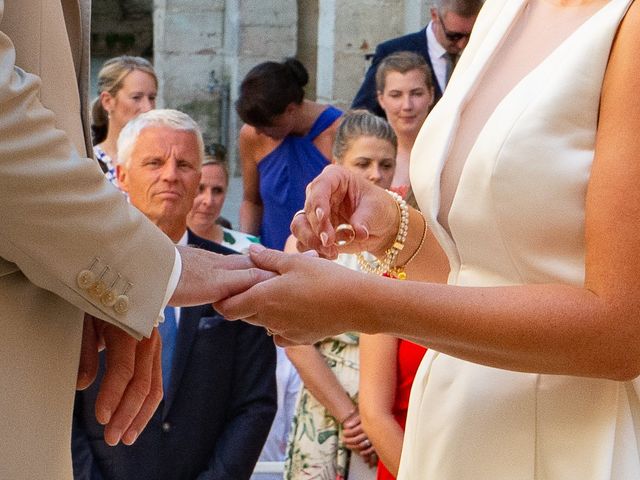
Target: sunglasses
[452, 36]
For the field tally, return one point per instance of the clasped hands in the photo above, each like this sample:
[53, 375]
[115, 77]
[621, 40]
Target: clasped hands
[356, 439]
[310, 298]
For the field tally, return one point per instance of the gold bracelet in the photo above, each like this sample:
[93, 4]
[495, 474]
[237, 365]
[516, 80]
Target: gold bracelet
[385, 265]
[400, 272]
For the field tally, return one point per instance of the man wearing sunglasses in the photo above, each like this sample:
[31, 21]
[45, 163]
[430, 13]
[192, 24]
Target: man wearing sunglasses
[441, 42]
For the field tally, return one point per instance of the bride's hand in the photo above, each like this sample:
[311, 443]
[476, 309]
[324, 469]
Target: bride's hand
[338, 196]
[307, 300]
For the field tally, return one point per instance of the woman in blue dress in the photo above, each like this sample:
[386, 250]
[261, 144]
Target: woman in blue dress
[285, 143]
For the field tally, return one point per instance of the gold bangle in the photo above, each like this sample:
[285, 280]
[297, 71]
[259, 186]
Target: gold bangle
[399, 272]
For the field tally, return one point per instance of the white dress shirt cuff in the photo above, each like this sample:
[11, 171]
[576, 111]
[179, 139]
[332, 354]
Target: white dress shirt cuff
[171, 287]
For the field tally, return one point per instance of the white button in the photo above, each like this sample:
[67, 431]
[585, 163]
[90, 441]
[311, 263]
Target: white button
[122, 304]
[108, 298]
[85, 279]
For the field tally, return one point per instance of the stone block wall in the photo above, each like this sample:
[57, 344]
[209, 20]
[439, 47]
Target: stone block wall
[188, 57]
[203, 48]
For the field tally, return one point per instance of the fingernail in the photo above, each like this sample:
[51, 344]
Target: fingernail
[130, 437]
[112, 438]
[103, 416]
[319, 214]
[324, 238]
[366, 231]
[81, 383]
[256, 247]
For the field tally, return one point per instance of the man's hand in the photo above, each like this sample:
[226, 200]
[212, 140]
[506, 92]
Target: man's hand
[131, 389]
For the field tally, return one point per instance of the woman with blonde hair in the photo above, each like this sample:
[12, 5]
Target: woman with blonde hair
[327, 438]
[127, 86]
[204, 217]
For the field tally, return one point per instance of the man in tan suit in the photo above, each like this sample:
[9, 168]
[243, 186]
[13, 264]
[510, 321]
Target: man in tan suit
[69, 244]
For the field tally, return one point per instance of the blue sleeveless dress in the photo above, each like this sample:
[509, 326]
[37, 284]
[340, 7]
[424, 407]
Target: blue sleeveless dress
[284, 175]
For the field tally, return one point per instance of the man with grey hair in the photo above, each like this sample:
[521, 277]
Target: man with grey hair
[218, 376]
[441, 42]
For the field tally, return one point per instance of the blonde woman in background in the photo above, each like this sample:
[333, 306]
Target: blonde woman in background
[207, 206]
[127, 86]
[327, 440]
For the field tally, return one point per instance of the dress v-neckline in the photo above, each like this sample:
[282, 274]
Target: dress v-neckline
[480, 75]
[463, 86]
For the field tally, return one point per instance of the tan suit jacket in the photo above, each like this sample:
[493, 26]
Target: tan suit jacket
[58, 218]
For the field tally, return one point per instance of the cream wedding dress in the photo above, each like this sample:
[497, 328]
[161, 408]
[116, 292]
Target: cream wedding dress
[512, 212]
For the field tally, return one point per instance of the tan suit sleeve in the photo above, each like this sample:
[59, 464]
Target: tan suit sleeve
[60, 216]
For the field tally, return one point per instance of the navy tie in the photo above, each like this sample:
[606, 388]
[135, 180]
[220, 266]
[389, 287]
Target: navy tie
[169, 332]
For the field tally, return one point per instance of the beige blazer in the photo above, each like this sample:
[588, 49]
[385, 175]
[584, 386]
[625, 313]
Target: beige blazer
[69, 242]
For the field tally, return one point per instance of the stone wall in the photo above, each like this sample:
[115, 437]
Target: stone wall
[188, 57]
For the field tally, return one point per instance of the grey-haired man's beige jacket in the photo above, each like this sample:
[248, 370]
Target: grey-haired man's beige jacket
[68, 240]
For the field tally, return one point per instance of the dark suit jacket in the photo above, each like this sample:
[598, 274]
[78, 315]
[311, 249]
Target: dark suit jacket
[214, 418]
[413, 42]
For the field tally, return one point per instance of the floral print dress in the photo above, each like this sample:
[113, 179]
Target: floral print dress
[315, 449]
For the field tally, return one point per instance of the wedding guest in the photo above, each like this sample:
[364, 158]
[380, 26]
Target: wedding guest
[285, 142]
[218, 377]
[203, 219]
[127, 86]
[406, 94]
[388, 364]
[440, 43]
[327, 439]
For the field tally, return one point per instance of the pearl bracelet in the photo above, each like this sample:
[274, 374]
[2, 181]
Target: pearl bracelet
[386, 264]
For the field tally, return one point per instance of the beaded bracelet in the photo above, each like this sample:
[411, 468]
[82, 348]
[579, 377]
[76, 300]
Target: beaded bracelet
[384, 266]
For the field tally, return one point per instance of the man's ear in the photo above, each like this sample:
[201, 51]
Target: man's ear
[121, 175]
[434, 14]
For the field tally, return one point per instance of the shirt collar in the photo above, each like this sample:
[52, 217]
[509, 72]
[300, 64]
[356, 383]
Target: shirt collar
[435, 49]
[184, 240]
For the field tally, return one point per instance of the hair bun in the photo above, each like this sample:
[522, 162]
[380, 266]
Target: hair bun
[298, 71]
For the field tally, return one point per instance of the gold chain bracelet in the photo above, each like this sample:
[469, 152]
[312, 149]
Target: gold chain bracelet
[400, 272]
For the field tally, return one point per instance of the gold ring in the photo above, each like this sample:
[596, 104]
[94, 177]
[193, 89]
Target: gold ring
[344, 234]
[269, 332]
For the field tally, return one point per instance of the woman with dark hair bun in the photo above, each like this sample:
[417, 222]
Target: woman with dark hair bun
[285, 143]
